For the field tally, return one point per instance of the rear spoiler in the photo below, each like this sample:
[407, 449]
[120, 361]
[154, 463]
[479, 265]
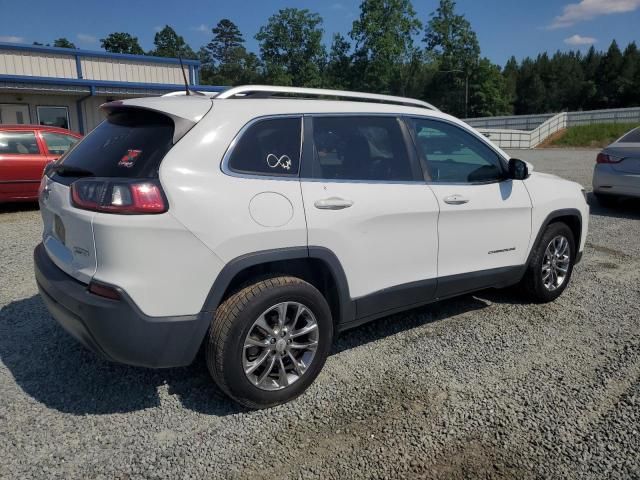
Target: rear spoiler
[185, 112]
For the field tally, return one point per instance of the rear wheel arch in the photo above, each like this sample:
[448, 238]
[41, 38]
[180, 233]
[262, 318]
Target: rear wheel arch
[316, 265]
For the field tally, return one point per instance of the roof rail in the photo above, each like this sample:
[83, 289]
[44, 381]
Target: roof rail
[270, 91]
[180, 93]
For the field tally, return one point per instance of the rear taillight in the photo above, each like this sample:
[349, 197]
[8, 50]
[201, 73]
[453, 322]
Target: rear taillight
[604, 158]
[122, 196]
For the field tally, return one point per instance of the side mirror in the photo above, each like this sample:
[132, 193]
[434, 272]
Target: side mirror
[518, 169]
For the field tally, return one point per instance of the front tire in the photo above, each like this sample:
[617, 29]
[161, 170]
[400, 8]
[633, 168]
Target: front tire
[269, 341]
[551, 264]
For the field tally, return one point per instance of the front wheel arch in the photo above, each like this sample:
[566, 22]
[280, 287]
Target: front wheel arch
[571, 217]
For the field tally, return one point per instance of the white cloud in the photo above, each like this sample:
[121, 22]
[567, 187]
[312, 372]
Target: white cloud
[84, 38]
[157, 28]
[579, 40]
[11, 39]
[202, 28]
[590, 9]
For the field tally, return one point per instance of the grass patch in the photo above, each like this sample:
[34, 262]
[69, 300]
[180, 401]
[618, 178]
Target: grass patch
[596, 136]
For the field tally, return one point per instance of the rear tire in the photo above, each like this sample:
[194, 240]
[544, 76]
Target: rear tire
[551, 265]
[259, 360]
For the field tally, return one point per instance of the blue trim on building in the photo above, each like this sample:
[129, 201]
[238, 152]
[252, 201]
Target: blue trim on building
[78, 67]
[93, 84]
[90, 53]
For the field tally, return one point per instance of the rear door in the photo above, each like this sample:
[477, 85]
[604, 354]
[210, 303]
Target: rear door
[485, 218]
[365, 200]
[21, 163]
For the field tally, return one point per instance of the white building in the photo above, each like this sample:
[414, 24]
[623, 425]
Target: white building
[64, 87]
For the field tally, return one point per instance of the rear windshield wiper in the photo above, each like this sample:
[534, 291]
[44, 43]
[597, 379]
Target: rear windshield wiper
[70, 171]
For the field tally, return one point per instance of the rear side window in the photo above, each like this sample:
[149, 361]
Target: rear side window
[269, 147]
[632, 137]
[129, 143]
[58, 143]
[18, 143]
[360, 148]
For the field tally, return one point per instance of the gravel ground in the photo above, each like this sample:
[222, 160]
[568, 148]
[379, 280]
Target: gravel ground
[480, 386]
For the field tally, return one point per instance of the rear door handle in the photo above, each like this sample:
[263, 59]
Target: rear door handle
[456, 200]
[333, 203]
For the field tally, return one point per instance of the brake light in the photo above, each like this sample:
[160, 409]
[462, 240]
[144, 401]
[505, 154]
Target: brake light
[118, 196]
[604, 158]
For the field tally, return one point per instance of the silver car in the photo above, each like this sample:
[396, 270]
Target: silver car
[617, 171]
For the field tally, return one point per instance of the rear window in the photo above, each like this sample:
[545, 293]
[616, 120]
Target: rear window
[129, 143]
[632, 137]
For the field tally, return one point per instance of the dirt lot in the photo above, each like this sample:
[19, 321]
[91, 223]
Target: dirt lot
[480, 386]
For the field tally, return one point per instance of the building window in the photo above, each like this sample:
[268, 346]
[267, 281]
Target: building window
[54, 116]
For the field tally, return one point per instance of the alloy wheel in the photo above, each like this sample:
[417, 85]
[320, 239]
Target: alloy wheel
[280, 346]
[555, 263]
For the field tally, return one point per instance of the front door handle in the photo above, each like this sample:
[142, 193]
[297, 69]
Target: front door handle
[333, 203]
[456, 200]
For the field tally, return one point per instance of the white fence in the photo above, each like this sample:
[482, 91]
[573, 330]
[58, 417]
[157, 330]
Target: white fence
[508, 132]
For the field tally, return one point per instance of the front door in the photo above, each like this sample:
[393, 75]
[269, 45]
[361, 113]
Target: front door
[14, 113]
[485, 219]
[365, 199]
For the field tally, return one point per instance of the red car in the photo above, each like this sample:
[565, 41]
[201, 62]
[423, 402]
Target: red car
[24, 152]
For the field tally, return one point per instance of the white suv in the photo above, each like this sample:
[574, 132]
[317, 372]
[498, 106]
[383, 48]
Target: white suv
[263, 224]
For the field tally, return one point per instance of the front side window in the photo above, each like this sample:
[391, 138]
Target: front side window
[53, 116]
[18, 143]
[58, 143]
[269, 147]
[453, 155]
[360, 148]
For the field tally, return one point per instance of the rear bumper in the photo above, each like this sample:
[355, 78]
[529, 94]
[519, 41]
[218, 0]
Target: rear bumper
[606, 180]
[116, 329]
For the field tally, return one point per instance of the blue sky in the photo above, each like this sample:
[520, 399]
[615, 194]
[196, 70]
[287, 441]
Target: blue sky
[504, 27]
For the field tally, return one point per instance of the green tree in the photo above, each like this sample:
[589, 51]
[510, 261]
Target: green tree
[531, 90]
[608, 77]
[291, 48]
[588, 90]
[121, 42]
[63, 42]
[338, 71]
[629, 72]
[169, 44]
[453, 43]
[225, 60]
[384, 44]
[510, 74]
[488, 93]
[227, 39]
